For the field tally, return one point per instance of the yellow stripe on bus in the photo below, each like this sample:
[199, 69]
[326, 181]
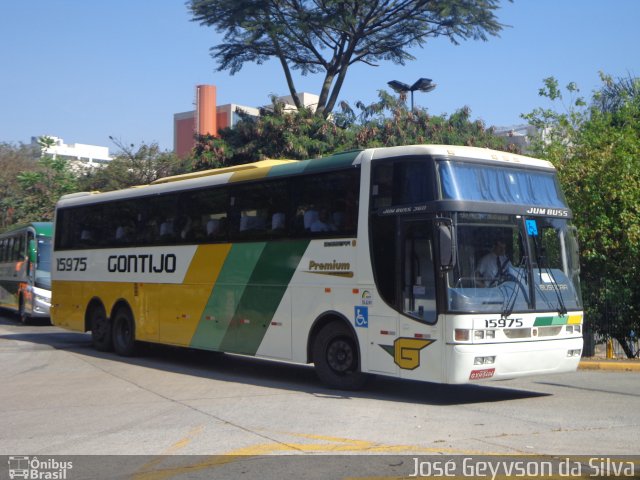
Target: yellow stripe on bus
[574, 320]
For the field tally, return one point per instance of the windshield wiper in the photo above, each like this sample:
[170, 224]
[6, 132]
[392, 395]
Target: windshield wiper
[541, 260]
[509, 306]
[562, 309]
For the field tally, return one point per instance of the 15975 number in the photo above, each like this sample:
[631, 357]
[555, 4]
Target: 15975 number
[72, 264]
[503, 322]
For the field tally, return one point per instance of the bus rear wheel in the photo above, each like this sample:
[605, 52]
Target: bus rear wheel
[336, 358]
[124, 337]
[100, 329]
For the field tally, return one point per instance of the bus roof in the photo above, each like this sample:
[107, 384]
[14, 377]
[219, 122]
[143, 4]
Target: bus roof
[41, 228]
[472, 153]
[286, 167]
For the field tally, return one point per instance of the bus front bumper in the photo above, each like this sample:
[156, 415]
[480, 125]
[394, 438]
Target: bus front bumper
[499, 361]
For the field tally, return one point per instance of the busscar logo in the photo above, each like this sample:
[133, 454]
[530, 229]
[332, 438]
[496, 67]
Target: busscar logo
[38, 469]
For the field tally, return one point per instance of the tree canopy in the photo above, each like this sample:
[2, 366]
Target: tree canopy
[596, 149]
[329, 36]
[40, 188]
[277, 133]
[133, 165]
[13, 160]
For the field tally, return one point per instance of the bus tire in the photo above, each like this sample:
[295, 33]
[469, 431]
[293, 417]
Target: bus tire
[336, 358]
[124, 332]
[100, 329]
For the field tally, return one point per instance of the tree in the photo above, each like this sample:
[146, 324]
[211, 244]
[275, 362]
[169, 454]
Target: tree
[276, 133]
[329, 36]
[596, 149]
[300, 134]
[41, 188]
[13, 160]
[615, 93]
[388, 123]
[134, 166]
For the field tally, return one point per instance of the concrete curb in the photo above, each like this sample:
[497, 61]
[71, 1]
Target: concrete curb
[615, 365]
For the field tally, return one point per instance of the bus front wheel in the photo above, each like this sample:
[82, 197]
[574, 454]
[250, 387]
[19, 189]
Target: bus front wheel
[336, 358]
[124, 338]
[100, 329]
[25, 319]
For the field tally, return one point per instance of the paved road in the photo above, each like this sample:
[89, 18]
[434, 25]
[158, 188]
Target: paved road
[60, 397]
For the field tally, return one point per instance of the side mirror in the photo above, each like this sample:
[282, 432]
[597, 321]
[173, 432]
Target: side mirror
[447, 245]
[32, 255]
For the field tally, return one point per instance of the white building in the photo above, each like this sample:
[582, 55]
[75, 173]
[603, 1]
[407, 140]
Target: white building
[79, 155]
[519, 135]
[308, 100]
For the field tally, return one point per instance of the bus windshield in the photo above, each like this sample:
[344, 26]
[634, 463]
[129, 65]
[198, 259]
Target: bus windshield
[43, 265]
[511, 263]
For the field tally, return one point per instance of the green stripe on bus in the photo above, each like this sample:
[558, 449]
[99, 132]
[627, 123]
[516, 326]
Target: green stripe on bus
[546, 321]
[340, 160]
[288, 169]
[226, 294]
[262, 296]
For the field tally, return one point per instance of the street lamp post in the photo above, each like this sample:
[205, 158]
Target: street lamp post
[422, 84]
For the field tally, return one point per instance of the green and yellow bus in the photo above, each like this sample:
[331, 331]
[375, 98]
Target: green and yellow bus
[365, 262]
[25, 270]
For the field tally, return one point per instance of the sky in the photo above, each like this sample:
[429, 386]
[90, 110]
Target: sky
[85, 70]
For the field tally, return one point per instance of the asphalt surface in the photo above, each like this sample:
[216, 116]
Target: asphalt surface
[61, 397]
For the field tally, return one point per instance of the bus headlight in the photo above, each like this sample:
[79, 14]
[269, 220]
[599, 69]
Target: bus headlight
[482, 334]
[41, 299]
[484, 360]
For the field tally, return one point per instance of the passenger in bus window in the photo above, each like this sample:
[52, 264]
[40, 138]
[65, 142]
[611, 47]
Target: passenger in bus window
[310, 216]
[213, 227]
[122, 234]
[187, 229]
[278, 221]
[323, 222]
[166, 228]
[86, 238]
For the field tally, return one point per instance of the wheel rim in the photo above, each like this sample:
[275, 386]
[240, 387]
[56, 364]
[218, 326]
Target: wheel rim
[341, 356]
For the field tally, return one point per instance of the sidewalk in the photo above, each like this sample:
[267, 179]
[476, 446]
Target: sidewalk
[620, 365]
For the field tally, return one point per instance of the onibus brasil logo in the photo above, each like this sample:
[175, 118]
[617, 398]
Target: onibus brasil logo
[34, 468]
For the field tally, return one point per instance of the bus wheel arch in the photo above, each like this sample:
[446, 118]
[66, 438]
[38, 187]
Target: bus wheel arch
[333, 347]
[123, 329]
[98, 322]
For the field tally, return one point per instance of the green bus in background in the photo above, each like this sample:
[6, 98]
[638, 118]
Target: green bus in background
[25, 270]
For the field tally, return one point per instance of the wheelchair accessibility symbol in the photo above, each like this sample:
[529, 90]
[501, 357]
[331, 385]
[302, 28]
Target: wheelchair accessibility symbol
[362, 317]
